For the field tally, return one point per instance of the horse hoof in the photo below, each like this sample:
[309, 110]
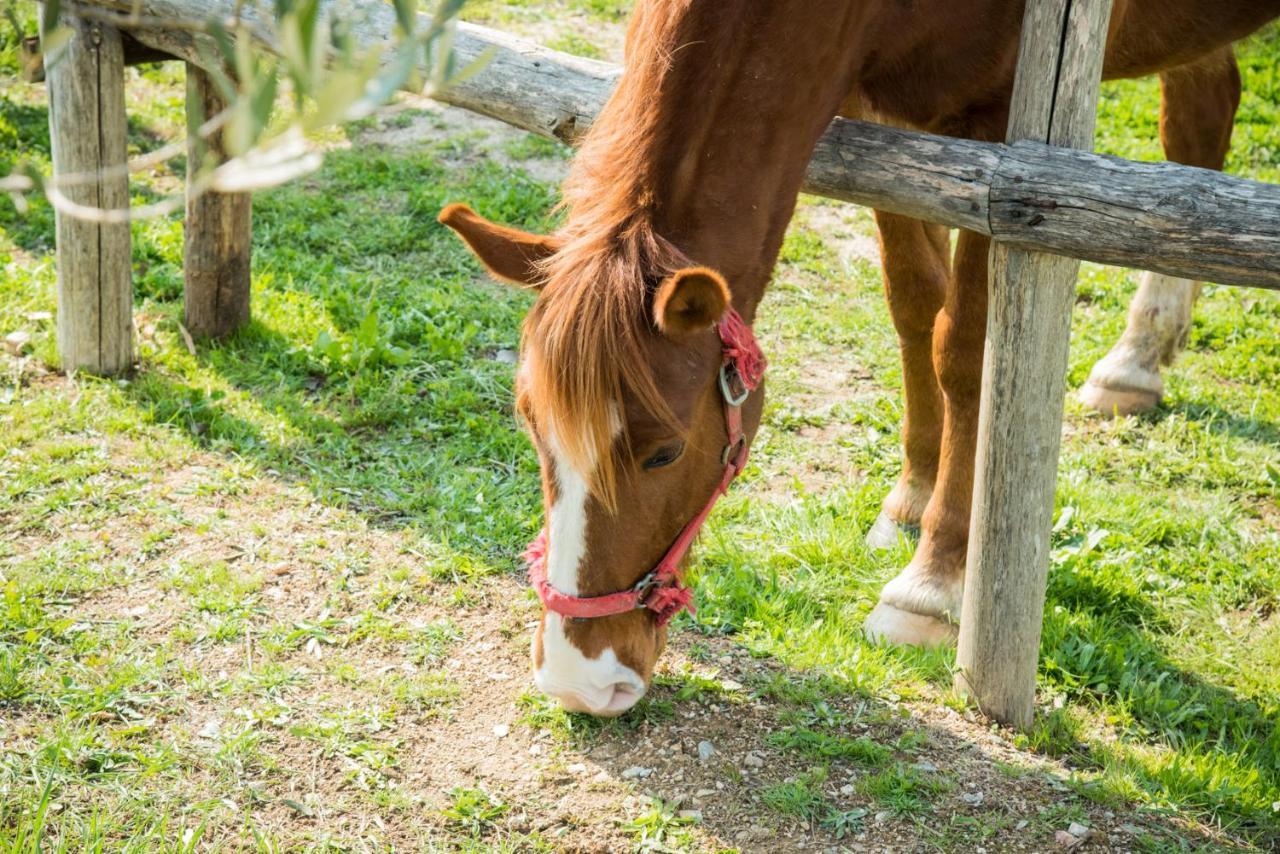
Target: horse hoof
[885, 534]
[887, 624]
[1118, 401]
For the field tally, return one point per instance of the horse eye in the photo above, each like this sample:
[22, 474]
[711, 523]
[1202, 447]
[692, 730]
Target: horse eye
[664, 456]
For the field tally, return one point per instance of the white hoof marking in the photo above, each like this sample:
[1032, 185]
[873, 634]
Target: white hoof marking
[1127, 380]
[886, 534]
[890, 625]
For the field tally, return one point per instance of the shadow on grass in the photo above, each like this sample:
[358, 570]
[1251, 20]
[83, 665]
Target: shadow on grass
[1216, 419]
[423, 449]
[25, 129]
[1229, 746]
[904, 774]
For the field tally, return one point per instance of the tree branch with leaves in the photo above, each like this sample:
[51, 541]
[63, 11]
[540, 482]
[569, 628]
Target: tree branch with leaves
[316, 73]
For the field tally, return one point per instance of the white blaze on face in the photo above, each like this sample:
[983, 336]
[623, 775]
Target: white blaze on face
[567, 521]
[601, 685]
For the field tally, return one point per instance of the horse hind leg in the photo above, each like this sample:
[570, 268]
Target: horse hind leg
[915, 260]
[1198, 107]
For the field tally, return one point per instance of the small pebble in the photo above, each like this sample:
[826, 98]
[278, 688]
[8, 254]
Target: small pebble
[636, 772]
[1066, 840]
[1078, 829]
[706, 750]
[501, 730]
[972, 798]
[753, 760]
[846, 789]
[577, 768]
[16, 342]
[694, 816]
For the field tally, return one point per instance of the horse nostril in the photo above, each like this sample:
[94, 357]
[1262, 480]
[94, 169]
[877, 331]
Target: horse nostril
[624, 696]
[606, 703]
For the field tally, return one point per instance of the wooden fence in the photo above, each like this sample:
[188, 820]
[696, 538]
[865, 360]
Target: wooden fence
[1046, 204]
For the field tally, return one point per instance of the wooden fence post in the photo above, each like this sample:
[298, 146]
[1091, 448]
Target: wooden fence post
[218, 232]
[1055, 100]
[87, 130]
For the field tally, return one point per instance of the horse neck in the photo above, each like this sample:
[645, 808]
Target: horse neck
[713, 123]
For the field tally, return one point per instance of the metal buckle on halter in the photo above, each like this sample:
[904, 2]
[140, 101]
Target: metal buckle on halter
[646, 585]
[732, 450]
[726, 388]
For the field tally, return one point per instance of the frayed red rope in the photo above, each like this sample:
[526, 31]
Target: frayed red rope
[535, 555]
[666, 602]
[741, 348]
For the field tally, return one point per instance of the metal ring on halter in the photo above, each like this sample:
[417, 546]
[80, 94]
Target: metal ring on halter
[646, 585]
[725, 388]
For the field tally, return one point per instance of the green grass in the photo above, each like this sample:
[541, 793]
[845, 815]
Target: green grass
[800, 798]
[659, 827]
[820, 745]
[474, 810]
[364, 406]
[902, 790]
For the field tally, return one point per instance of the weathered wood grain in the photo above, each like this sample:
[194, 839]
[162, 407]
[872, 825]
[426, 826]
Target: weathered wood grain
[31, 58]
[218, 232]
[87, 130]
[938, 178]
[1176, 220]
[1024, 381]
[1179, 220]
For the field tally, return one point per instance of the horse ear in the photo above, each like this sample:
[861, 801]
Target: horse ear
[508, 253]
[690, 300]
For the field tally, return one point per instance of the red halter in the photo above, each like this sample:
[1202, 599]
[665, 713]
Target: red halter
[662, 589]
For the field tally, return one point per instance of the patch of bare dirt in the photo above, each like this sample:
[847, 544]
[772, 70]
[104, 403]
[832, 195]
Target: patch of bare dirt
[430, 122]
[825, 381]
[846, 229]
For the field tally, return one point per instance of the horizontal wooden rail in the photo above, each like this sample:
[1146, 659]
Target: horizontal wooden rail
[1188, 222]
[1178, 220]
[31, 58]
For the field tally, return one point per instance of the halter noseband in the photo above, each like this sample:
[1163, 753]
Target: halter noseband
[662, 588]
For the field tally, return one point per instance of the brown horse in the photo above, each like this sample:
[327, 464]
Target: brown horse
[676, 207]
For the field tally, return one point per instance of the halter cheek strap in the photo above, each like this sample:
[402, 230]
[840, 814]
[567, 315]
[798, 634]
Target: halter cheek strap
[662, 589]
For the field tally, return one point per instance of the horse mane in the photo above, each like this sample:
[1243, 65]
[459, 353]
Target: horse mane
[584, 340]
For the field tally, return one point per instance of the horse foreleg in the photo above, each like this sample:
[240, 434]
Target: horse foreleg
[922, 604]
[915, 261]
[1197, 111]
